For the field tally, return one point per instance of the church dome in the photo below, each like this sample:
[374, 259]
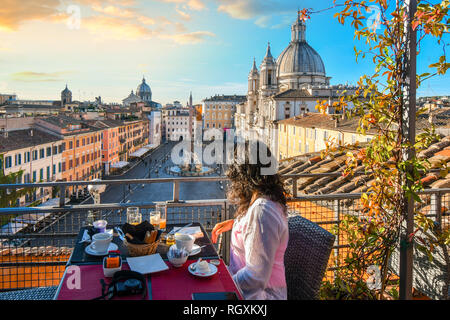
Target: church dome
[143, 87]
[299, 58]
[144, 92]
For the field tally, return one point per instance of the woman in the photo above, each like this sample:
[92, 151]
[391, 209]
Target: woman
[259, 231]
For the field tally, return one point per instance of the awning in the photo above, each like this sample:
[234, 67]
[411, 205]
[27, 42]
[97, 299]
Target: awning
[140, 152]
[119, 164]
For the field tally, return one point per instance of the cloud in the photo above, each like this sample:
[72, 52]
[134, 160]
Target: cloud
[120, 12]
[192, 4]
[184, 15]
[31, 76]
[190, 38]
[114, 11]
[113, 19]
[14, 13]
[116, 28]
[249, 9]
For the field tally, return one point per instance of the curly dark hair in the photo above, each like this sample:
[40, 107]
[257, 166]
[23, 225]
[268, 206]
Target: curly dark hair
[247, 177]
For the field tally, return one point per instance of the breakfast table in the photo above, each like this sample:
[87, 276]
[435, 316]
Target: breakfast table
[83, 274]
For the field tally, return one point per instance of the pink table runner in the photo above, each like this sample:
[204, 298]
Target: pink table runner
[89, 286]
[179, 284]
[172, 284]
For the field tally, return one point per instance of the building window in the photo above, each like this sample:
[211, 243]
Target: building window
[41, 174]
[78, 143]
[35, 155]
[49, 151]
[325, 135]
[18, 159]
[8, 162]
[34, 176]
[55, 149]
[26, 156]
[48, 173]
[42, 153]
[54, 169]
[70, 145]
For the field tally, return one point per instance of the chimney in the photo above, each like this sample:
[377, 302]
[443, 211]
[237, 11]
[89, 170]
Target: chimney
[431, 118]
[336, 122]
[31, 132]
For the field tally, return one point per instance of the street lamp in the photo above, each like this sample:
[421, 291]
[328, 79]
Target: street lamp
[95, 191]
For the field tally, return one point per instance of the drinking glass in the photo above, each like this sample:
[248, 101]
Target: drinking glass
[162, 216]
[170, 239]
[154, 219]
[134, 217]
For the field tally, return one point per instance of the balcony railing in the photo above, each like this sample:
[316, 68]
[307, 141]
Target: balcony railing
[36, 252]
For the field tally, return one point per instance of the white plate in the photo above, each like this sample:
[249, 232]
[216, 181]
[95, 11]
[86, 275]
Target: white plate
[195, 250]
[212, 271]
[92, 252]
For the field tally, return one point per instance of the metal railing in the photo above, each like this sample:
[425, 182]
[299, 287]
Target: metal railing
[36, 254]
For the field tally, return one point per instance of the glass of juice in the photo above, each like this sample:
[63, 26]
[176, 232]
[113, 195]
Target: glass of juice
[154, 219]
[170, 239]
[162, 216]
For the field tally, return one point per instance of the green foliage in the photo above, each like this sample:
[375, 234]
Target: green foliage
[8, 197]
[380, 103]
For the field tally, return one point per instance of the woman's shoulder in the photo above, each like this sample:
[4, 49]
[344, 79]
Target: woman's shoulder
[265, 208]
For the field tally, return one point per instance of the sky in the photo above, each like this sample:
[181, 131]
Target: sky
[105, 47]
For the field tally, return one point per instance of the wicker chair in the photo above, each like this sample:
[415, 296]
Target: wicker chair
[306, 258]
[43, 293]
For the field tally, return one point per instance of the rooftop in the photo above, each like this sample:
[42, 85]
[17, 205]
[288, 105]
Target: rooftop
[24, 139]
[236, 98]
[313, 163]
[323, 121]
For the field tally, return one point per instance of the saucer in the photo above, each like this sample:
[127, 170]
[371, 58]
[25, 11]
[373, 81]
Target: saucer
[90, 251]
[212, 271]
[195, 250]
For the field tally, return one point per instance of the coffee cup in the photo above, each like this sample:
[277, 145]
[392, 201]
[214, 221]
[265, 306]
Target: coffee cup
[185, 241]
[100, 242]
[100, 226]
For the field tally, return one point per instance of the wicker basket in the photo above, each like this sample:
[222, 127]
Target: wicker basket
[137, 250]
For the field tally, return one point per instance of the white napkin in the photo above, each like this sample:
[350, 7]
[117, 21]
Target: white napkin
[147, 264]
[86, 237]
[193, 231]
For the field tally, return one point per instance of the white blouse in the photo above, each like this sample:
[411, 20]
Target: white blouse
[258, 243]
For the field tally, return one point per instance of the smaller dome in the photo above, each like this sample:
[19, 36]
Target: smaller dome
[66, 91]
[143, 87]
